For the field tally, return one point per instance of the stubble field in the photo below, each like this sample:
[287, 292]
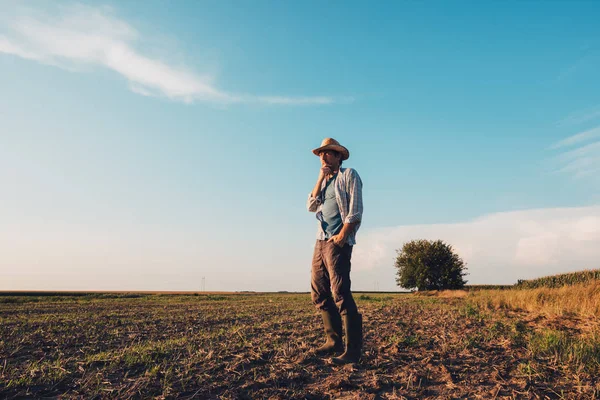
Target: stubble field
[259, 346]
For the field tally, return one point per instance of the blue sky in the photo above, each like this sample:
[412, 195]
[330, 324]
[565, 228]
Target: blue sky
[148, 147]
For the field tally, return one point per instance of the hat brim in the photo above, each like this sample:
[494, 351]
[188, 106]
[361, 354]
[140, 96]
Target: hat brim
[340, 149]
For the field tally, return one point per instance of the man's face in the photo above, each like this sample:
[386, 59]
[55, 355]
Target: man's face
[331, 159]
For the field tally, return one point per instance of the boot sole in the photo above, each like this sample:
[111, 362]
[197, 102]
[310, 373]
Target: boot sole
[337, 361]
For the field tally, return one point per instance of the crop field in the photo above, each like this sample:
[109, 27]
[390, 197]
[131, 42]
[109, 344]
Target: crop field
[556, 281]
[255, 346]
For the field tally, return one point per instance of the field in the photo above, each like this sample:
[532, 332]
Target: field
[259, 346]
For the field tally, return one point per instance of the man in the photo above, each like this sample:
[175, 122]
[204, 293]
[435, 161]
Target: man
[337, 201]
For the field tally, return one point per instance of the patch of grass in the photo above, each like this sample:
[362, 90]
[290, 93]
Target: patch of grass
[470, 310]
[374, 298]
[215, 297]
[473, 340]
[410, 340]
[498, 327]
[43, 371]
[18, 299]
[564, 347]
[517, 334]
[404, 340]
[147, 353]
[529, 370]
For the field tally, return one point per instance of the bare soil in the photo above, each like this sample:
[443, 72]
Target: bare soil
[253, 346]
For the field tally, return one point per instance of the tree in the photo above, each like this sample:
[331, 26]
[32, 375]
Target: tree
[429, 265]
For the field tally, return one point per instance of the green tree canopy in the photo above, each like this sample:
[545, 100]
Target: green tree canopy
[429, 265]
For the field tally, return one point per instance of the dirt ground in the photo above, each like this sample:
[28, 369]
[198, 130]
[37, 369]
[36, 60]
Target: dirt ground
[253, 346]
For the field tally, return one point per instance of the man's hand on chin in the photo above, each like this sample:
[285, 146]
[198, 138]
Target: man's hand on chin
[326, 171]
[338, 240]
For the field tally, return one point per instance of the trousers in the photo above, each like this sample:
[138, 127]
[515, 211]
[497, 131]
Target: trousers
[330, 278]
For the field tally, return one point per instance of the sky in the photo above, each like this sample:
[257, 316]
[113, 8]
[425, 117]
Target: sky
[154, 147]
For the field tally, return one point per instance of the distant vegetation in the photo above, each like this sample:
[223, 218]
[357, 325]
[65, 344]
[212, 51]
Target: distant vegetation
[556, 281]
[429, 265]
[489, 287]
[552, 281]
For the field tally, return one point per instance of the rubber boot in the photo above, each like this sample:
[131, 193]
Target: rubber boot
[332, 323]
[353, 327]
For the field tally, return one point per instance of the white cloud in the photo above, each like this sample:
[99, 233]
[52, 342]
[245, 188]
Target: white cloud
[590, 149]
[498, 248]
[7, 46]
[581, 162]
[79, 36]
[580, 117]
[578, 138]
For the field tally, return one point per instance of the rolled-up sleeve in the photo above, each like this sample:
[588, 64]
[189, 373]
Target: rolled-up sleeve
[313, 203]
[355, 202]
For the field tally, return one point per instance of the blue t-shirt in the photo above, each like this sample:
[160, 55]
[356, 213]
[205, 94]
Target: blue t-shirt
[332, 219]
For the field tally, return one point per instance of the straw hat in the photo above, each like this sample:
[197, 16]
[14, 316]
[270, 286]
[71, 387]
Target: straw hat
[332, 144]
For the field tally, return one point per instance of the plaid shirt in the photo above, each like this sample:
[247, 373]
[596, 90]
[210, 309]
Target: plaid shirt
[348, 193]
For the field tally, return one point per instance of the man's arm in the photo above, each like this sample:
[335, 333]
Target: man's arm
[313, 198]
[346, 229]
[317, 188]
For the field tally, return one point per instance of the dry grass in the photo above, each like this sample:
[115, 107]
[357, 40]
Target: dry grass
[581, 299]
[573, 308]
